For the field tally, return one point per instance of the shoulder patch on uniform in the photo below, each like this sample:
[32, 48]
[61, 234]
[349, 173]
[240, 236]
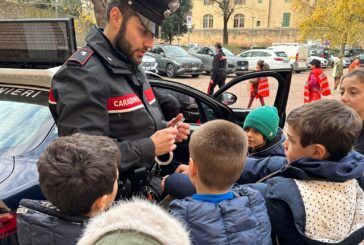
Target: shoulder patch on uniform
[81, 56]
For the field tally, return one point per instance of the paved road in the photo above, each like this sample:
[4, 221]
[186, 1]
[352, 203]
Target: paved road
[295, 96]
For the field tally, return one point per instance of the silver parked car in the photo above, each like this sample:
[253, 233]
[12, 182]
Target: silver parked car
[235, 64]
[149, 63]
[173, 61]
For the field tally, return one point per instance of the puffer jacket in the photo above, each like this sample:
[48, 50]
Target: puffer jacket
[271, 148]
[317, 201]
[135, 222]
[241, 220]
[39, 222]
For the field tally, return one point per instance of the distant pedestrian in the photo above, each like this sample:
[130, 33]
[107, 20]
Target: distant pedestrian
[218, 72]
[316, 84]
[259, 87]
[355, 64]
[337, 72]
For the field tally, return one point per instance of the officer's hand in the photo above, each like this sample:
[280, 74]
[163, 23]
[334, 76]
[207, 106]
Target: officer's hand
[183, 128]
[183, 169]
[164, 140]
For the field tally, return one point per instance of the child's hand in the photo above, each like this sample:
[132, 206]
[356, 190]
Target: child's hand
[163, 181]
[183, 169]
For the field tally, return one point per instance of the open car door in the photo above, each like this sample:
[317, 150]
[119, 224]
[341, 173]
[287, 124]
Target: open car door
[228, 103]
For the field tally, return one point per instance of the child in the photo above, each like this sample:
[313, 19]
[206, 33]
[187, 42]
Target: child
[337, 71]
[259, 87]
[135, 222]
[218, 214]
[265, 138]
[316, 83]
[352, 94]
[78, 176]
[315, 198]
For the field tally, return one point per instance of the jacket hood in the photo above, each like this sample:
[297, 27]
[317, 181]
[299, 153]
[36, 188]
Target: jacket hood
[349, 167]
[139, 216]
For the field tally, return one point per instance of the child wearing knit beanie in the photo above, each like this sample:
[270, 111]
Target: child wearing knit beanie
[264, 135]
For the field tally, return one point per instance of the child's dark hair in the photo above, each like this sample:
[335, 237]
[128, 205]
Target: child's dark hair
[327, 122]
[218, 45]
[76, 170]
[219, 150]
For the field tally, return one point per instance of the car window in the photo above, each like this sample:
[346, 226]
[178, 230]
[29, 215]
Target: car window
[255, 54]
[265, 54]
[281, 54]
[227, 52]
[245, 55]
[22, 124]
[175, 51]
[200, 50]
[209, 51]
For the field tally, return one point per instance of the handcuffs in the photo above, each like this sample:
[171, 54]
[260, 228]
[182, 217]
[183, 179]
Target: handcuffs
[164, 163]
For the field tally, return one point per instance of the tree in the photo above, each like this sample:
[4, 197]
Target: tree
[175, 24]
[340, 21]
[227, 8]
[100, 10]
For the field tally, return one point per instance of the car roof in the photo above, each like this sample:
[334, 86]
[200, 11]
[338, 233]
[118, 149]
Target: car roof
[40, 78]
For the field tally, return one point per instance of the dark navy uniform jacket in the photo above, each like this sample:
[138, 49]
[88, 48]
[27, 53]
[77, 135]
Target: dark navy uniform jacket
[97, 91]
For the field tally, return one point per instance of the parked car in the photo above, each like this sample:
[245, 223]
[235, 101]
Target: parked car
[346, 61]
[149, 63]
[361, 59]
[324, 62]
[234, 64]
[173, 61]
[296, 52]
[27, 127]
[274, 58]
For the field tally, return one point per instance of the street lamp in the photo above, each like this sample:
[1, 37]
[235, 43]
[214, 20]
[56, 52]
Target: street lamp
[251, 33]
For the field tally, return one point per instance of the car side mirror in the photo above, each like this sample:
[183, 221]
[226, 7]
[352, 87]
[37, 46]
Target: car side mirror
[227, 98]
[163, 54]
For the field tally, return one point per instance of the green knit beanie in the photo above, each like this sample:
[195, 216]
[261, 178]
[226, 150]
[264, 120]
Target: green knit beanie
[265, 120]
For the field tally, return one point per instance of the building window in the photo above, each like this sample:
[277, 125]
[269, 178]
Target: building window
[208, 2]
[286, 19]
[241, 2]
[287, 1]
[208, 21]
[260, 1]
[258, 23]
[239, 21]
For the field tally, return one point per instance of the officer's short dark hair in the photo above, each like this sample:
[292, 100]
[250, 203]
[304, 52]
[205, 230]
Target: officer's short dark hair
[76, 170]
[123, 6]
[326, 122]
[219, 150]
[218, 45]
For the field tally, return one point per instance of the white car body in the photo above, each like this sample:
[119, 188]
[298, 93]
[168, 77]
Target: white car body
[324, 62]
[149, 63]
[296, 52]
[274, 58]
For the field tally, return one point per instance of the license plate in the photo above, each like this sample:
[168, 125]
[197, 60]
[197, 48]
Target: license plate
[194, 68]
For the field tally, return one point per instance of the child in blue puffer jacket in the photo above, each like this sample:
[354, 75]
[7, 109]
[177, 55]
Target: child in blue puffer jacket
[265, 139]
[218, 213]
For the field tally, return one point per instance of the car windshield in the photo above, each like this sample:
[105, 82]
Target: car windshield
[22, 125]
[227, 52]
[281, 54]
[175, 51]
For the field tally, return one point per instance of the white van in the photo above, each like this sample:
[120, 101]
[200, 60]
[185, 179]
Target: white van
[297, 53]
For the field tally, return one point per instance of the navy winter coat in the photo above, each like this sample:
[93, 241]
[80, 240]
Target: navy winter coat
[40, 223]
[287, 199]
[241, 220]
